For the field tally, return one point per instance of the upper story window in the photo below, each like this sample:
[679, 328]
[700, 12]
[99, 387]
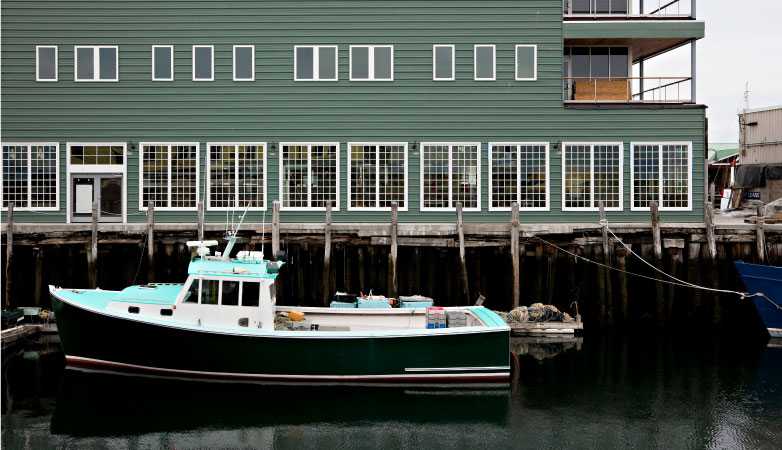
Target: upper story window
[526, 62]
[169, 175]
[484, 62]
[518, 172]
[371, 63]
[443, 68]
[309, 175]
[236, 175]
[96, 63]
[661, 172]
[30, 178]
[162, 63]
[450, 173]
[46, 63]
[377, 175]
[203, 63]
[244, 63]
[599, 62]
[315, 63]
[592, 172]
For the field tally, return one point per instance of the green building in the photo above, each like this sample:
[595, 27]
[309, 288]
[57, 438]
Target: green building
[361, 103]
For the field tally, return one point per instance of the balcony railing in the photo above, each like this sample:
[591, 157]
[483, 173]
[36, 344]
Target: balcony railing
[627, 89]
[663, 9]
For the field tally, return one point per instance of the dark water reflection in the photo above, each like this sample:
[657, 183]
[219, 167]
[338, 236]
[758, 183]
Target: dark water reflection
[628, 392]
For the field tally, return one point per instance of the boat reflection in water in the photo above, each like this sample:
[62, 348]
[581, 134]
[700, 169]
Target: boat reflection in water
[91, 404]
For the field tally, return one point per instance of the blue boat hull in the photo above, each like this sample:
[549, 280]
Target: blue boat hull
[768, 281]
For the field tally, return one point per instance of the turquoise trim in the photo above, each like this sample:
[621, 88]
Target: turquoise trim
[488, 317]
[160, 295]
[227, 269]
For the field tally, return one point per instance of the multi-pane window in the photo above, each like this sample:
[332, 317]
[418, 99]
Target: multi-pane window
[377, 175]
[96, 63]
[443, 68]
[484, 62]
[592, 172]
[162, 63]
[518, 172]
[244, 63]
[315, 63]
[371, 63]
[90, 155]
[30, 175]
[237, 175]
[526, 62]
[203, 63]
[169, 175]
[309, 175]
[450, 173]
[46, 63]
[661, 173]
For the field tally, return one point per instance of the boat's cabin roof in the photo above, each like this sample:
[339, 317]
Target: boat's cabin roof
[234, 268]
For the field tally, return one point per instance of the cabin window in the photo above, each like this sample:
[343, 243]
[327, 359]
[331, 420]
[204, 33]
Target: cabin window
[450, 174]
[251, 293]
[484, 61]
[162, 63]
[371, 63]
[518, 172]
[203, 63]
[443, 68]
[191, 296]
[230, 293]
[46, 63]
[526, 62]
[169, 175]
[209, 292]
[309, 176]
[236, 176]
[30, 175]
[377, 175]
[244, 63]
[592, 173]
[315, 63]
[97, 63]
[661, 172]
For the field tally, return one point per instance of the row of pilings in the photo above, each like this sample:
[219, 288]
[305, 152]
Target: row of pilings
[557, 269]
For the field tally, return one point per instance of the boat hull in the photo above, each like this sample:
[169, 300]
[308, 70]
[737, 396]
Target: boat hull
[768, 281]
[91, 338]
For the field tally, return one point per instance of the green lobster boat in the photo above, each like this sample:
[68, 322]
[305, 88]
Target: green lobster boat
[220, 323]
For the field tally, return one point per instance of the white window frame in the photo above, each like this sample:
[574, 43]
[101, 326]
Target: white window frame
[96, 64]
[371, 57]
[193, 58]
[29, 145]
[660, 197]
[172, 63]
[252, 78]
[518, 173]
[119, 169]
[309, 145]
[238, 206]
[316, 62]
[595, 205]
[534, 62]
[141, 145]
[475, 62]
[377, 177]
[453, 62]
[450, 146]
[56, 64]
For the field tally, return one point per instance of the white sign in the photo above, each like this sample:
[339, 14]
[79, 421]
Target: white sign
[83, 199]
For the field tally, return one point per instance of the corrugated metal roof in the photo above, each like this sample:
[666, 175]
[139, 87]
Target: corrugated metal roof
[722, 150]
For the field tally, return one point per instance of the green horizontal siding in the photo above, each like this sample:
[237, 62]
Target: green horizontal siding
[660, 29]
[274, 108]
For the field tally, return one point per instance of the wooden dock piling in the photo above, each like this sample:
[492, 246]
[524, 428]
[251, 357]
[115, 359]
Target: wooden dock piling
[621, 264]
[327, 257]
[362, 279]
[607, 262]
[658, 262]
[393, 287]
[38, 253]
[275, 229]
[92, 254]
[760, 234]
[9, 253]
[201, 221]
[150, 242]
[710, 239]
[514, 251]
[462, 255]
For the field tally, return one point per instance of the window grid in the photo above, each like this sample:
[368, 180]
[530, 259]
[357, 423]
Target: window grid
[155, 175]
[592, 172]
[391, 176]
[675, 177]
[578, 176]
[169, 175]
[363, 176]
[43, 176]
[532, 176]
[309, 175]
[251, 176]
[646, 175]
[222, 176]
[661, 173]
[449, 174]
[606, 175]
[435, 176]
[15, 175]
[90, 155]
[29, 176]
[184, 176]
[504, 175]
[377, 175]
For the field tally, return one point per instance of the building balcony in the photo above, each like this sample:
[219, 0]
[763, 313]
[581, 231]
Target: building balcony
[628, 90]
[628, 9]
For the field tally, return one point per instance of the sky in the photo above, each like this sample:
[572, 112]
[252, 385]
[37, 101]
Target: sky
[743, 44]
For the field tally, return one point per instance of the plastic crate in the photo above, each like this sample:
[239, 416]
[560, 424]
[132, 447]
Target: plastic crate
[418, 304]
[367, 303]
[336, 304]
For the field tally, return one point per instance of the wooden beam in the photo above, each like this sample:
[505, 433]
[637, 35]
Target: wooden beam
[150, 242]
[462, 255]
[760, 233]
[92, 255]
[709, 219]
[201, 221]
[9, 253]
[514, 252]
[607, 261]
[394, 287]
[327, 257]
[275, 229]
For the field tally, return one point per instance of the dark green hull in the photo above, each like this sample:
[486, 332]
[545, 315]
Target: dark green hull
[96, 339]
